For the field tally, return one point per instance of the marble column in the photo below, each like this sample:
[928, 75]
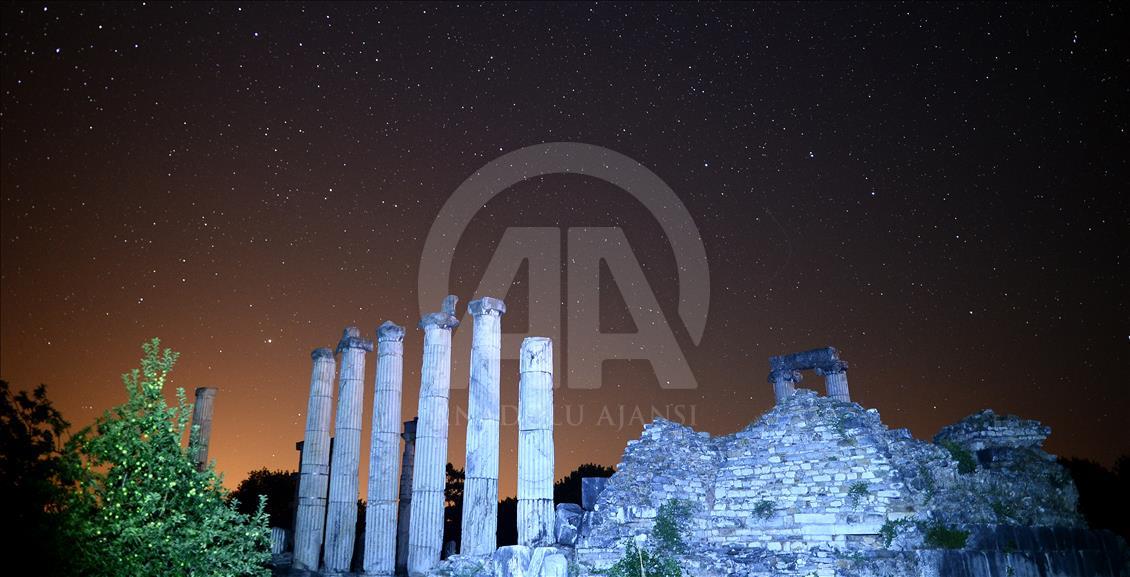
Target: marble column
[480, 490]
[341, 518]
[425, 535]
[201, 433]
[380, 509]
[535, 443]
[784, 383]
[404, 512]
[314, 472]
[835, 381]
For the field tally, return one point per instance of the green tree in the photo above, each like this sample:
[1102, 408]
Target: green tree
[660, 559]
[143, 509]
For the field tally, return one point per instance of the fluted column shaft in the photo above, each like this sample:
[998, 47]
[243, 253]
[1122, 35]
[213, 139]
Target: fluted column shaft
[341, 520]
[380, 510]
[784, 383]
[309, 524]
[404, 510]
[425, 536]
[835, 382]
[535, 443]
[480, 489]
[201, 432]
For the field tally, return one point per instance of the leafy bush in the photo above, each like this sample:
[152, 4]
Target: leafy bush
[891, 529]
[659, 560]
[939, 536]
[966, 464]
[857, 492]
[142, 508]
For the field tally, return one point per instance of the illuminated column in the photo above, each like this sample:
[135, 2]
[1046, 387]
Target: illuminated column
[404, 513]
[835, 381]
[784, 383]
[425, 535]
[380, 510]
[535, 443]
[201, 432]
[341, 519]
[480, 491]
[315, 467]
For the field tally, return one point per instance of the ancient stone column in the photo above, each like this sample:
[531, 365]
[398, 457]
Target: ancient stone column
[201, 432]
[784, 383]
[835, 381]
[404, 512]
[480, 490]
[314, 472]
[341, 518]
[535, 443]
[425, 535]
[380, 509]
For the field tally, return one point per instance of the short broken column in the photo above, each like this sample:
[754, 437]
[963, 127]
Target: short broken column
[341, 518]
[380, 509]
[784, 383]
[835, 380]
[535, 443]
[480, 490]
[313, 484]
[404, 510]
[425, 535]
[201, 432]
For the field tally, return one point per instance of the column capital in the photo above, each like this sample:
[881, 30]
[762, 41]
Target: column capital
[486, 306]
[351, 339]
[390, 332]
[322, 353]
[833, 368]
[206, 392]
[445, 319]
[787, 375]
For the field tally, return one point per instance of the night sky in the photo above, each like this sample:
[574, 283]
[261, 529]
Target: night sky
[939, 191]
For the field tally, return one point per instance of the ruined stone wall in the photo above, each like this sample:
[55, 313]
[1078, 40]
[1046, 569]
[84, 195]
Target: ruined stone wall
[814, 481]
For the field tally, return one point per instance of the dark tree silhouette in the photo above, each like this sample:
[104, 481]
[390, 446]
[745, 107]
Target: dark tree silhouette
[453, 506]
[32, 476]
[278, 486]
[568, 489]
[1103, 498]
[508, 521]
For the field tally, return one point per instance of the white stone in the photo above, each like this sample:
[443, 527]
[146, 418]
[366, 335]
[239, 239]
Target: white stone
[314, 476]
[480, 490]
[381, 506]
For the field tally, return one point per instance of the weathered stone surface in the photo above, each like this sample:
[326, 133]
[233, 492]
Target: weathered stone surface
[480, 490]
[425, 535]
[341, 514]
[314, 474]
[201, 435]
[511, 561]
[535, 443]
[568, 523]
[381, 506]
[404, 507]
[808, 488]
[278, 540]
[555, 565]
[591, 488]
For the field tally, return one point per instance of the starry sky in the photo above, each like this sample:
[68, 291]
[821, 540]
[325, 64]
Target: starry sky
[937, 190]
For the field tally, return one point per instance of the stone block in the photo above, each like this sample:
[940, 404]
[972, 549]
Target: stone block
[591, 488]
[567, 523]
[511, 561]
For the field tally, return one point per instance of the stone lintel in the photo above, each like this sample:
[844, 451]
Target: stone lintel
[486, 306]
[839, 366]
[322, 353]
[390, 332]
[827, 357]
[445, 319]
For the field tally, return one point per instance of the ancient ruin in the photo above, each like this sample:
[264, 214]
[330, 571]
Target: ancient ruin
[201, 434]
[818, 486]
